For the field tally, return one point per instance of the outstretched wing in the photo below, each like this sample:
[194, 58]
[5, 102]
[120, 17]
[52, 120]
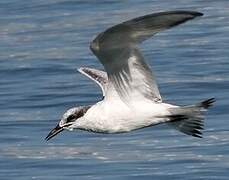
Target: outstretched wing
[116, 48]
[98, 76]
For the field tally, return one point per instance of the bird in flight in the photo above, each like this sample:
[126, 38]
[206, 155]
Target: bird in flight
[131, 99]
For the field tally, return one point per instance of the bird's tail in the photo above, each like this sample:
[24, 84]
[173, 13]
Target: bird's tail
[189, 119]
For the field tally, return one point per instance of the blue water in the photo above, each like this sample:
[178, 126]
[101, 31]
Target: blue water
[42, 43]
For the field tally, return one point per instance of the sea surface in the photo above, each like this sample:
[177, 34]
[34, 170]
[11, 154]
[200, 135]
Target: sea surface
[42, 43]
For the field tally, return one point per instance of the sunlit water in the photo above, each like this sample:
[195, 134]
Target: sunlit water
[42, 43]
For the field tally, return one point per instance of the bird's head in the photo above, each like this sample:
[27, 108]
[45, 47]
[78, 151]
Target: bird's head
[68, 119]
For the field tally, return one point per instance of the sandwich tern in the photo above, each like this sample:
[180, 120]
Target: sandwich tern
[131, 99]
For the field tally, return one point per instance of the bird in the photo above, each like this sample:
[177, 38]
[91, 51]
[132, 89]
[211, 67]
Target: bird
[131, 98]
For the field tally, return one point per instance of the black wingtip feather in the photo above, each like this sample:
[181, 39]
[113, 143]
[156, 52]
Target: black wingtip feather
[196, 133]
[195, 13]
[207, 103]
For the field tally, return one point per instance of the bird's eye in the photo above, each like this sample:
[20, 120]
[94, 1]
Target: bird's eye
[70, 118]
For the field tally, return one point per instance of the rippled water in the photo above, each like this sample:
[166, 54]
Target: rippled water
[44, 42]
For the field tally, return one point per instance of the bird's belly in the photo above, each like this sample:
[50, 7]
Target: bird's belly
[117, 118]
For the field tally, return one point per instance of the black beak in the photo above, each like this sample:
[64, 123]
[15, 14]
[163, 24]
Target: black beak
[54, 132]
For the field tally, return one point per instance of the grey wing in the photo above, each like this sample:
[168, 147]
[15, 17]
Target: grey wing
[117, 50]
[98, 76]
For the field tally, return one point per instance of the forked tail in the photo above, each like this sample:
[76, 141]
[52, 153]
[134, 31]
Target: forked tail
[190, 119]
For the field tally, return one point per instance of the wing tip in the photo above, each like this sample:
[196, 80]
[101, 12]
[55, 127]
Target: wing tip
[207, 103]
[84, 70]
[192, 13]
[196, 13]
[187, 15]
[80, 69]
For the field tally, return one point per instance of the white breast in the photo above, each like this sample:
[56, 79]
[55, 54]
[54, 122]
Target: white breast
[116, 116]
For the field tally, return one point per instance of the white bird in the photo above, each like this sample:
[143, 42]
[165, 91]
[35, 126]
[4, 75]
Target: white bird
[131, 96]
